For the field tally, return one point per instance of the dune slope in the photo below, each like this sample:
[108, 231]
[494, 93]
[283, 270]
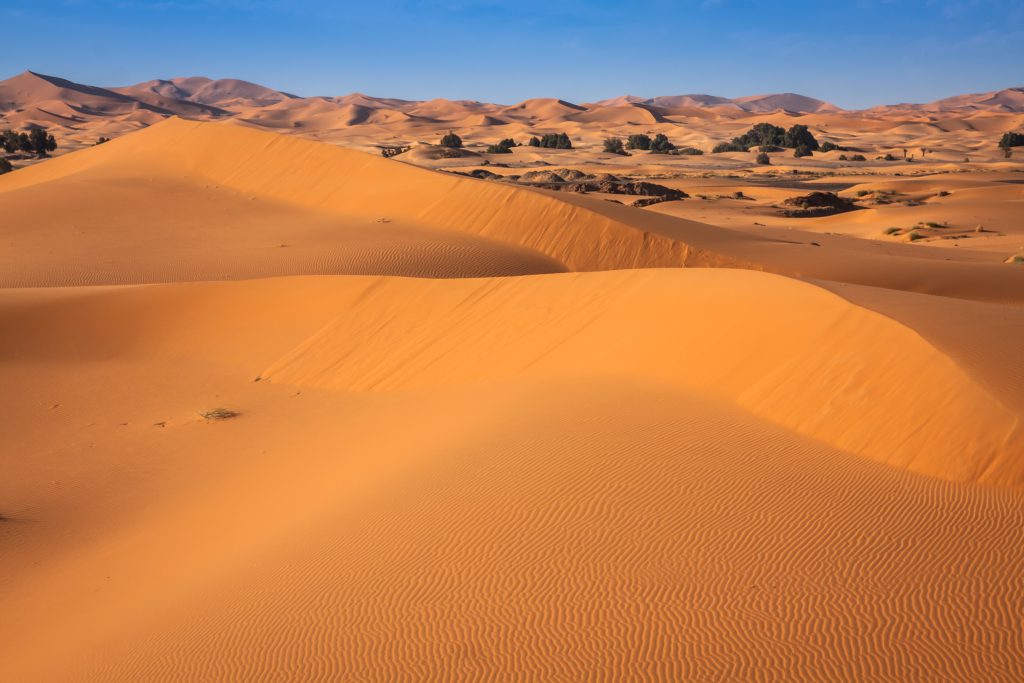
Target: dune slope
[587, 493]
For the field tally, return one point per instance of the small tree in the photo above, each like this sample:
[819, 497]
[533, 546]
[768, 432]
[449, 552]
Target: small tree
[764, 159]
[1011, 140]
[451, 140]
[614, 146]
[563, 141]
[830, 146]
[802, 151]
[799, 135]
[503, 147]
[40, 142]
[534, 141]
[661, 145]
[638, 141]
[728, 147]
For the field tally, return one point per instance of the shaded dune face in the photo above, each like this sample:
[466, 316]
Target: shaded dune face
[474, 431]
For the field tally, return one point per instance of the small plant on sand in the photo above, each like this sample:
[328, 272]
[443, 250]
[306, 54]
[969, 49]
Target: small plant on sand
[802, 151]
[763, 159]
[889, 156]
[102, 140]
[891, 231]
[858, 157]
[5, 166]
[830, 146]
[842, 157]
[451, 140]
[218, 414]
[614, 146]
[914, 235]
[689, 151]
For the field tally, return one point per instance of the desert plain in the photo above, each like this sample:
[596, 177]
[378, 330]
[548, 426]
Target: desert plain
[278, 407]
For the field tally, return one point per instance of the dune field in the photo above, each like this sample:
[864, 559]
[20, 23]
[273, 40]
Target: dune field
[277, 407]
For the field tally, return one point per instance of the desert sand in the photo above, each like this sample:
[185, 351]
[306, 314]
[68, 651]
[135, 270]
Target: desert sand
[481, 430]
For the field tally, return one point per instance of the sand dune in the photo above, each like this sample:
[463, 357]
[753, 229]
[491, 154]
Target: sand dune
[537, 498]
[482, 431]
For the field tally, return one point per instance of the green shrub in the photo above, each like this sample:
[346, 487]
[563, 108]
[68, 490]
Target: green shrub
[503, 147]
[802, 151]
[858, 157]
[638, 141]
[1012, 140]
[689, 151]
[451, 140]
[799, 136]
[614, 146]
[552, 141]
[763, 159]
[830, 146]
[842, 157]
[761, 134]
[661, 145]
[727, 147]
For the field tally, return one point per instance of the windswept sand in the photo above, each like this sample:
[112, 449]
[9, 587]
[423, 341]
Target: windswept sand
[576, 441]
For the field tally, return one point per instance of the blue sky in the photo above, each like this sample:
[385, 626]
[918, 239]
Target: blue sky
[855, 53]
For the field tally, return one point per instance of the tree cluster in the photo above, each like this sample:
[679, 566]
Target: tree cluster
[502, 147]
[37, 140]
[552, 141]
[766, 135]
[1011, 140]
[661, 145]
[639, 141]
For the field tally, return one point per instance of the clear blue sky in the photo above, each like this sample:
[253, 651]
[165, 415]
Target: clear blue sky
[855, 53]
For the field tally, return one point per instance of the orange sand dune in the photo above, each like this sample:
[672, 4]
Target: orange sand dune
[573, 472]
[363, 214]
[473, 430]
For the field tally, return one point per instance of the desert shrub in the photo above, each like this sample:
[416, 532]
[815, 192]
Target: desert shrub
[829, 147]
[17, 142]
[858, 157]
[889, 156]
[638, 141]
[534, 141]
[727, 147]
[614, 146]
[799, 136]
[451, 140]
[503, 147]
[802, 151]
[1012, 140]
[552, 141]
[5, 166]
[761, 134]
[449, 153]
[218, 414]
[40, 142]
[890, 231]
[842, 157]
[689, 151]
[661, 145]
[102, 140]
[763, 159]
